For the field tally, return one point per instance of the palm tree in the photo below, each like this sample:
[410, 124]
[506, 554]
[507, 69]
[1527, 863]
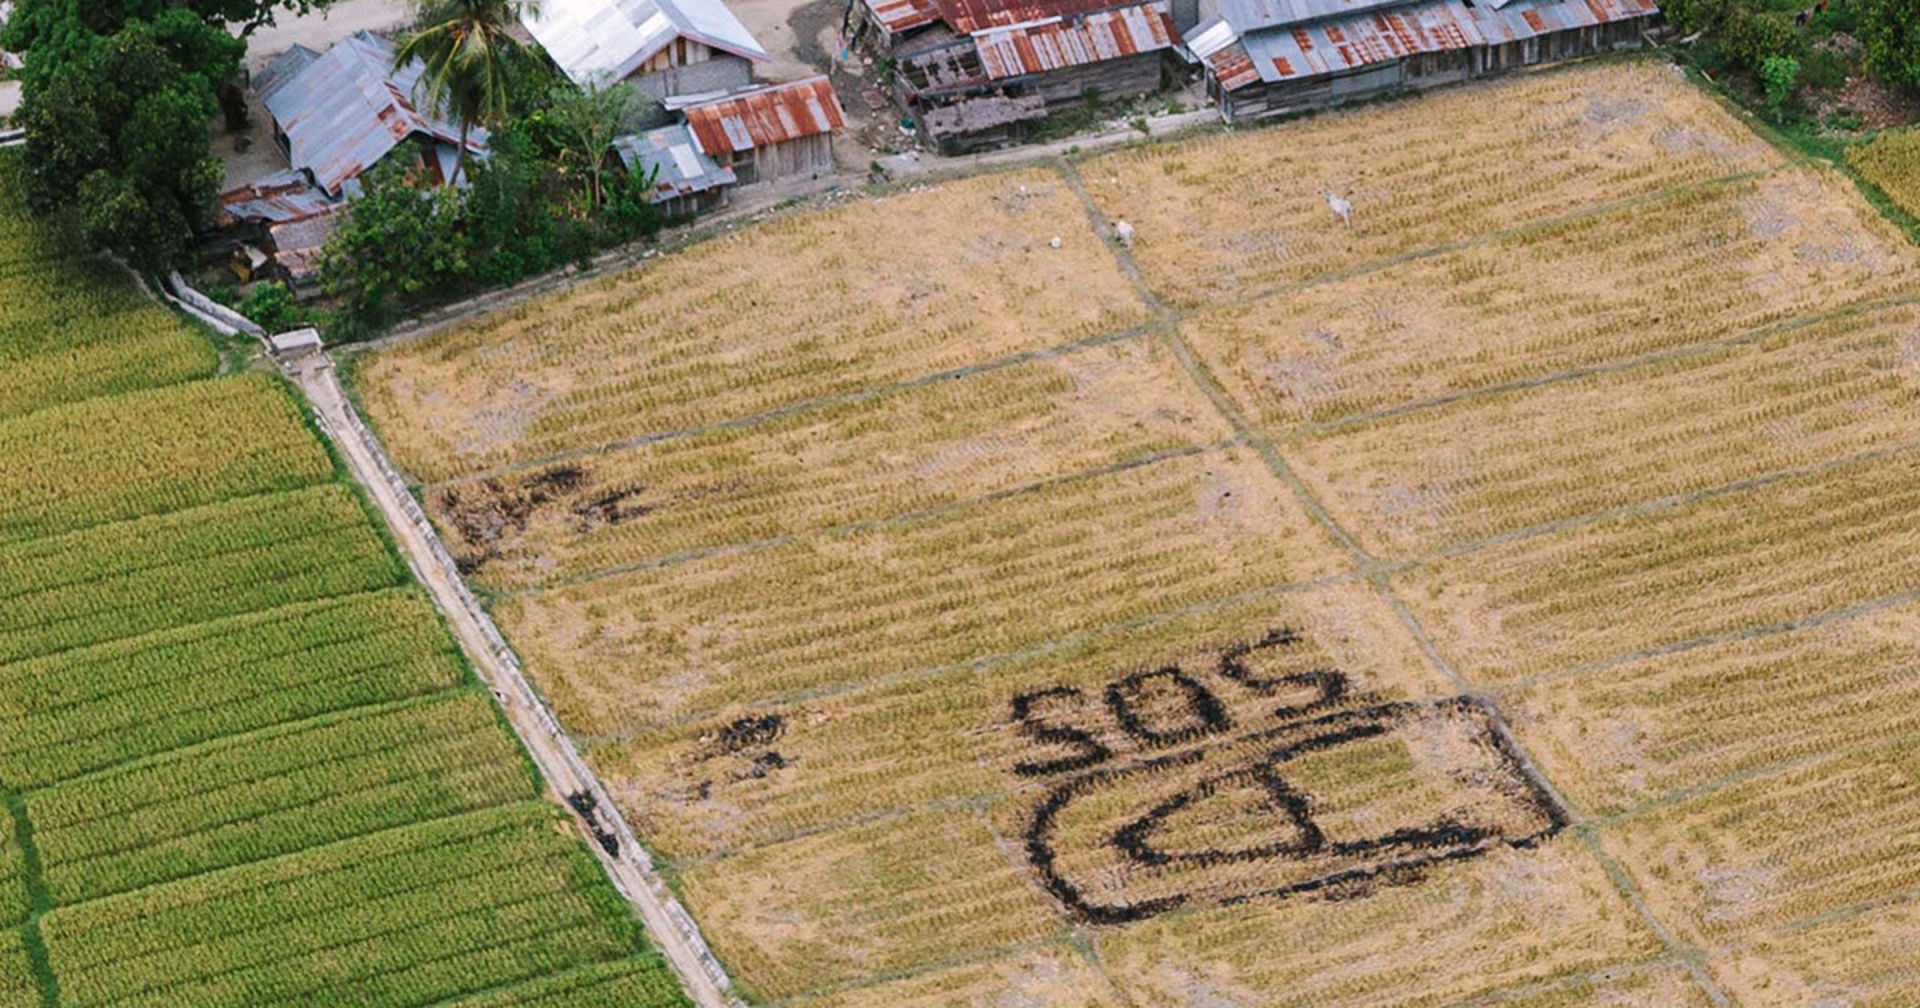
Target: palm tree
[470, 60]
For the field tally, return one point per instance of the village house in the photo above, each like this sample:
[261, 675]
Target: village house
[976, 73]
[335, 115]
[686, 181]
[664, 47]
[769, 133]
[1272, 57]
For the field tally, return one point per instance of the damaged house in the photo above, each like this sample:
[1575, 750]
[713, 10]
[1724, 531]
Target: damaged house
[335, 115]
[976, 73]
[664, 47]
[1272, 57]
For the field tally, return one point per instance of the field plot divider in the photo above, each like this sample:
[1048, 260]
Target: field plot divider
[628, 865]
[1166, 320]
[39, 900]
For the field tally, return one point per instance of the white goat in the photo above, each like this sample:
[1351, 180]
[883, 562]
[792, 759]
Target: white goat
[1340, 207]
[1123, 233]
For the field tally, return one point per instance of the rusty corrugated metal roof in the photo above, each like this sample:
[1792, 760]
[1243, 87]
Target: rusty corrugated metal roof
[899, 15]
[1057, 43]
[1517, 20]
[680, 167]
[1250, 15]
[766, 115]
[280, 198]
[345, 110]
[1237, 56]
[1217, 45]
[1349, 43]
[970, 16]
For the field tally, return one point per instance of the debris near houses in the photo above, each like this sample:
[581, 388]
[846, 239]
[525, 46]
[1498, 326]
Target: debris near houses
[1273, 57]
[978, 73]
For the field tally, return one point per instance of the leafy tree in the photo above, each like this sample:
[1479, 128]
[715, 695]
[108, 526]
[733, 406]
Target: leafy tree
[398, 241]
[33, 18]
[116, 125]
[590, 118]
[1891, 31]
[471, 59]
[1779, 75]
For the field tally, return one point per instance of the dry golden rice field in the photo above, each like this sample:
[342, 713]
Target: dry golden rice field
[1510, 599]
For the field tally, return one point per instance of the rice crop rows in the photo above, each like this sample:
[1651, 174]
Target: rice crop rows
[1492, 924]
[1791, 549]
[1891, 161]
[74, 466]
[1641, 731]
[1759, 855]
[405, 917]
[131, 578]
[15, 903]
[1602, 288]
[949, 738]
[1072, 678]
[795, 310]
[19, 988]
[629, 983]
[905, 450]
[87, 709]
[1055, 975]
[1230, 215]
[833, 610]
[73, 327]
[242, 761]
[1864, 958]
[255, 797]
[1485, 466]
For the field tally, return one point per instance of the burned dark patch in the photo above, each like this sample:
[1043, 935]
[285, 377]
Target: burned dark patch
[614, 507]
[747, 733]
[584, 803]
[486, 513]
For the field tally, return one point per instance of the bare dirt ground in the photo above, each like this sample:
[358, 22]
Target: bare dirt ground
[318, 31]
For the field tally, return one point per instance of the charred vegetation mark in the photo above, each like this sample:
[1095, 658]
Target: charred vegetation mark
[488, 513]
[1132, 865]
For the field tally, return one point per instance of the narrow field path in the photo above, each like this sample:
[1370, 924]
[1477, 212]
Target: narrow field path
[669, 926]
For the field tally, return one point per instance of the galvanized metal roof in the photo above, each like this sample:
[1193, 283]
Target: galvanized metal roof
[347, 109]
[766, 115]
[610, 39]
[680, 167]
[282, 68]
[1057, 43]
[280, 198]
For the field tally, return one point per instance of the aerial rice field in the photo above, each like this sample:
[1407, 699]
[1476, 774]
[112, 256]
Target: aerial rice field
[1891, 162]
[244, 763]
[1506, 599]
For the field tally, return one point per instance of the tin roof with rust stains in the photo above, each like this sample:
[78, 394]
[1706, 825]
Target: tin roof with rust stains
[766, 115]
[346, 109]
[678, 165]
[1059, 43]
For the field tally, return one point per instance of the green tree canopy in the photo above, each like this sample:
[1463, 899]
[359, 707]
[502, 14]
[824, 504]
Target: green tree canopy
[1891, 31]
[116, 123]
[472, 59]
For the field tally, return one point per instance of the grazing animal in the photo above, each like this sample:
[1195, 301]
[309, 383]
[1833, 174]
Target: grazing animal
[1123, 233]
[1340, 207]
